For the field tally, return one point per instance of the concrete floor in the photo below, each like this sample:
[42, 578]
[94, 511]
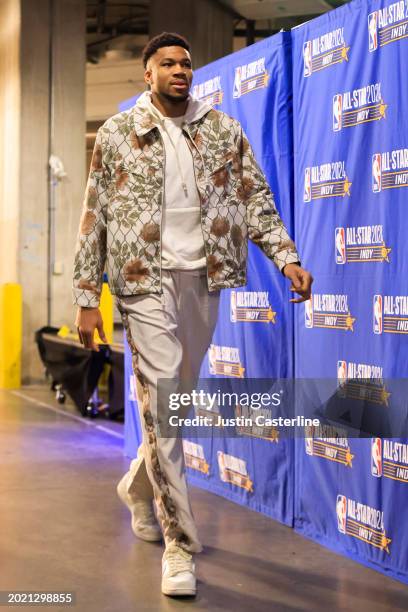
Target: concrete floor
[62, 528]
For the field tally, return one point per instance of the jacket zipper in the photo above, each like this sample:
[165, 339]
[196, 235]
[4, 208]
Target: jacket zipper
[201, 200]
[161, 212]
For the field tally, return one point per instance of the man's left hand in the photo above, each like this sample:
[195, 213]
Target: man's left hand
[301, 281]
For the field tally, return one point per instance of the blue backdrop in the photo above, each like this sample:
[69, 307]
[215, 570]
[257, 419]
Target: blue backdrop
[351, 168]
[331, 159]
[255, 326]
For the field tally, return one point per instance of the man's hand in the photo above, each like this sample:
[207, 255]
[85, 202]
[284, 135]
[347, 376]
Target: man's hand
[87, 320]
[301, 281]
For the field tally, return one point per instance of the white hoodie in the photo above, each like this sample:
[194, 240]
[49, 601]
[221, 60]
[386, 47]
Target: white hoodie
[182, 238]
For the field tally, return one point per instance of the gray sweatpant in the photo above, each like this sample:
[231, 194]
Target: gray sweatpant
[168, 334]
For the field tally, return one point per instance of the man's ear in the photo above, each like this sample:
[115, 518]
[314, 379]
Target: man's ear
[147, 77]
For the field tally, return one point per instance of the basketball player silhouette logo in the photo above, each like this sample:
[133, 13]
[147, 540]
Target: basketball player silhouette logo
[237, 83]
[341, 509]
[377, 173]
[376, 457]
[373, 31]
[307, 58]
[378, 314]
[307, 193]
[340, 246]
[337, 112]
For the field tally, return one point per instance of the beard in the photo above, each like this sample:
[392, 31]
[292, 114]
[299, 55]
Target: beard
[175, 99]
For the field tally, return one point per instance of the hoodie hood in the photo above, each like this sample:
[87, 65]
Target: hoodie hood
[148, 116]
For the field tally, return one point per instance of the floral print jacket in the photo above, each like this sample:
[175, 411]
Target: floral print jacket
[120, 226]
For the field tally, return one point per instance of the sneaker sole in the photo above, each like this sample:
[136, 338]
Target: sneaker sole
[179, 592]
[124, 498]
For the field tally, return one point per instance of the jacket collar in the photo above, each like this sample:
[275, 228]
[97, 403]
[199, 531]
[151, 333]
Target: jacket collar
[144, 121]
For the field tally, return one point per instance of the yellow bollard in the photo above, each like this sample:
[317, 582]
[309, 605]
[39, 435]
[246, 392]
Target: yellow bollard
[106, 308]
[11, 330]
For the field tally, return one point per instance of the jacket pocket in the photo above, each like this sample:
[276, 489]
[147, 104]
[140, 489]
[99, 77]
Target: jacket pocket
[222, 182]
[221, 164]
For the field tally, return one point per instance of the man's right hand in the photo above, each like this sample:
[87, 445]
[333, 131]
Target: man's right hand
[87, 320]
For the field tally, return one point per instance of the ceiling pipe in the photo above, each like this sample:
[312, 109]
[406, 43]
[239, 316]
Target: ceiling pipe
[101, 16]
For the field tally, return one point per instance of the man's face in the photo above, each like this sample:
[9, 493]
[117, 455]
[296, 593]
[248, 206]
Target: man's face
[169, 73]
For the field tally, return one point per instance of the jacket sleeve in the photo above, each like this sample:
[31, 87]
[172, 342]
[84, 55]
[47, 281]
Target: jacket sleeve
[90, 251]
[265, 227]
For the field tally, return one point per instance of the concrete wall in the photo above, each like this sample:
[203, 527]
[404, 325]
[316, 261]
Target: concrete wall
[42, 111]
[207, 26]
[68, 142]
[52, 121]
[33, 176]
[9, 138]
[109, 83]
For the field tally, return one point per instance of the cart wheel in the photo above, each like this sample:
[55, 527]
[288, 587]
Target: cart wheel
[91, 410]
[103, 411]
[60, 397]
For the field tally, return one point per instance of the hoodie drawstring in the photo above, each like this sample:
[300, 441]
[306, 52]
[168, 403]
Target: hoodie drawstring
[195, 110]
[194, 144]
[183, 181]
[163, 125]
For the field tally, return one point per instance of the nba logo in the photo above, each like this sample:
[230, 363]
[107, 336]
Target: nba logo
[233, 307]
[341, 510]
[377, 173]
[212, 359]
[341, 371]
[340, 243]
[372, 31]
[307, 194]
[237, 83]
[378, 314]
[221, 466]
[307, 58]
[309, 446]
[337, 111]
[132, 388]
[308, 313]
[342, 378]
[376, 457]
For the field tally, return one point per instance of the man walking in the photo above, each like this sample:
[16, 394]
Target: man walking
[174, 193]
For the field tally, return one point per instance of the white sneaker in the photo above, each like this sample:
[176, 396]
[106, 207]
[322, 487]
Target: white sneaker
[178, 572]
[144, 522]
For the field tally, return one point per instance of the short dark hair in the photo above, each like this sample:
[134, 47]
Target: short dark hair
[165, 39]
